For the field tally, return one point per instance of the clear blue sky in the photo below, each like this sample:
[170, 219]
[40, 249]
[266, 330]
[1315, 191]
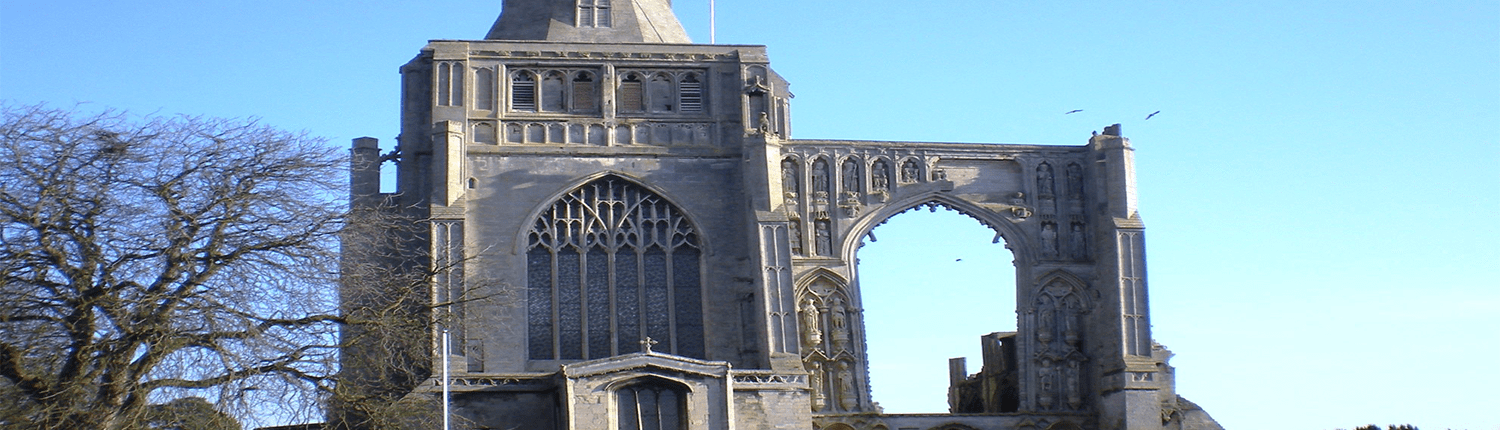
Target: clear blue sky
[1321, 189]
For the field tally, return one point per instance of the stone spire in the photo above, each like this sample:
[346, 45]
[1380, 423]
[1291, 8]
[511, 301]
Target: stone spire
[589, 21]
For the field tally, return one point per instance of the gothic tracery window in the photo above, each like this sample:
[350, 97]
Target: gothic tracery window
[609, 264]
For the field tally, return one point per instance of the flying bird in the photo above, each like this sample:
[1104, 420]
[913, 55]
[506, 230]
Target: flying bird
[1073, 111]
[1152, 114]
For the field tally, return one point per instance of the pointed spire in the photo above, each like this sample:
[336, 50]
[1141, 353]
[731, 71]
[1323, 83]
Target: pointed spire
[589, 21]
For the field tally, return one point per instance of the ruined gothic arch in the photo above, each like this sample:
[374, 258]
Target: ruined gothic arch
[1015, 239]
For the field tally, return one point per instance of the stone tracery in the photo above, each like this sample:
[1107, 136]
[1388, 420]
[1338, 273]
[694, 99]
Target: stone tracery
[829, 355]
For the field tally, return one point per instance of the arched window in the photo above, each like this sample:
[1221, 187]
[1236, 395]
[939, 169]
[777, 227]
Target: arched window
[690, 93]
[554, 96]
[585, 94]
[523, 91]
[609, 264]
[450, 84]
[659, 90]
[484, 89]
[632, 93]
[651, 406]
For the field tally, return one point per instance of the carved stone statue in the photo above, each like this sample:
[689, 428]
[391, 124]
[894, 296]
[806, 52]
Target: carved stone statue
[820, 176]
[1077, 246]
[1044, 180]
[794, 234]
[824, 238]
[789, 181]
[1049, 239]
[839, 324]
[815, 379]
[847, 397]
[909, 171]
[880, 178]
[812, 335]
[1075, 182]
[840, 316]
[851, 176]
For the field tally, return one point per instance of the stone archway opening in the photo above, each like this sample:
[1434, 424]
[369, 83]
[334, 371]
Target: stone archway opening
[931, 283]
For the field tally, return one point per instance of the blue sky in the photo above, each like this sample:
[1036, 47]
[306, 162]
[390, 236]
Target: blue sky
[1320, 189]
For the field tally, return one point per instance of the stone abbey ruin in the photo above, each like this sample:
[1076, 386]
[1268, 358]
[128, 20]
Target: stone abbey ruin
[655, 251]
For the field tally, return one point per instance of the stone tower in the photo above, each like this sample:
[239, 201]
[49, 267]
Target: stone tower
[622, 234]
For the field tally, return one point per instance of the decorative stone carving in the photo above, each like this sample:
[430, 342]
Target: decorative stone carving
[1075, 181]
[1059, 307]
[1044, 182]
[849, 202]
[812, 334]
[830, 352]
[850, 176]
[880, 177]
[839, 320]
[794, 233]
[789, 182]
[909, 171]
[824, 238]
[1049, 239]
[848, 398]
[819, 391]
[1018, 209]
[1077, 243]
[820, 176]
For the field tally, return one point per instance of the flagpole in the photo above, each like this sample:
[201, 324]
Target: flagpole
[445, 379]
[711, 18]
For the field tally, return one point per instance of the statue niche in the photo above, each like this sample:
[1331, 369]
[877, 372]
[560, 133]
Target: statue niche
[830, 350]
[1058, 312]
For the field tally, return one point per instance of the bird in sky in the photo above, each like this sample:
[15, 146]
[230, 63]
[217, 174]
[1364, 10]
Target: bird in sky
[1152, 114]
[1073, 111]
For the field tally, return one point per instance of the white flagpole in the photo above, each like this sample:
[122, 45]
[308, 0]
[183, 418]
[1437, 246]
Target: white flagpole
[711, 18]
[445, 379]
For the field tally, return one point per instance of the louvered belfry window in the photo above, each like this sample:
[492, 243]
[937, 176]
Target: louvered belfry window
[593, 13]
[610, 264]
[523, 92]
[690, 93]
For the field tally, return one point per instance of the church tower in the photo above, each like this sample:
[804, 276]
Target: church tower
[618, 232]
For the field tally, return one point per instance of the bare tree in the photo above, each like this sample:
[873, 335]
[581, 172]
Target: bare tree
[148, 259]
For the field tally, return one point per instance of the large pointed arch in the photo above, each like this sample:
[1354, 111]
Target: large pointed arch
[1003, 226]
[610, 263]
